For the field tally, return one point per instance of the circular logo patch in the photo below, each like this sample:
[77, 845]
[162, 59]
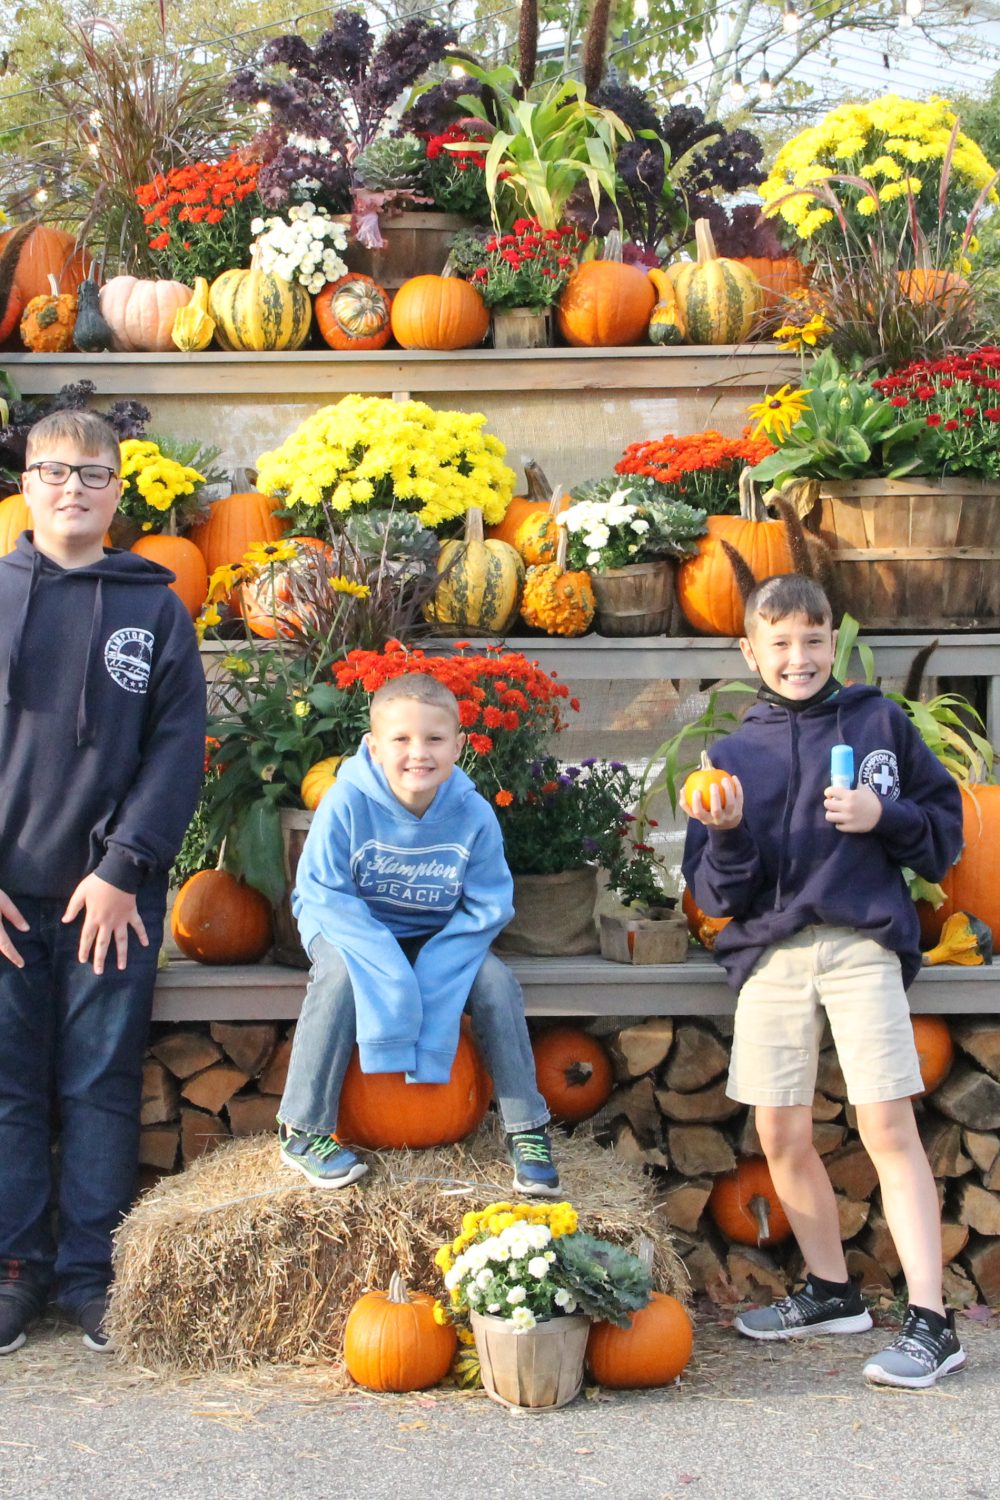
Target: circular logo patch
[880, 771]
[128, 656]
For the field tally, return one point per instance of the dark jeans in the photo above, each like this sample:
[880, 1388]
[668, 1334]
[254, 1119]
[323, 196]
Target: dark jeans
[75, 1040]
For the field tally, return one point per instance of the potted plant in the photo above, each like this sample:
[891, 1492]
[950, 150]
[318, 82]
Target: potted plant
[702, 469]
[198, 217]
[530, 1282]
[624, 534]
[519, 275]
[647, 929]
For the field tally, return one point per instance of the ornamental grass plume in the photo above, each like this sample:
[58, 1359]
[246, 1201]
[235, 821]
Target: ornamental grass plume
[367, 452]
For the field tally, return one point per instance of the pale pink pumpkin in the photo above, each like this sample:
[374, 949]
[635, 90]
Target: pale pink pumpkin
[141, 313]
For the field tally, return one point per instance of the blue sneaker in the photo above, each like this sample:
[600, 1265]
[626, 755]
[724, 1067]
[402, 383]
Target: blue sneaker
[534, 1170]
[320, 1158]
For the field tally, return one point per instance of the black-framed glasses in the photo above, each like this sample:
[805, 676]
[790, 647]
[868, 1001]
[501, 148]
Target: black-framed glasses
[92, 476]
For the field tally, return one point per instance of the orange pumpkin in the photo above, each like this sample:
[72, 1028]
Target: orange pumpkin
[745, 1206]
[234, 524]
[265, 601]
[393, 1343]
[652, 1351]
[703, 779]
[218, 919]
[353, 313]
[186, 563]
[778, 278]
[971, 884]
[11, 301]
[604, 304]
[382, 1110]
[537, 537]
[701, 926]
[935, 1050]
[141, 314]
[15, 517]
[438, 312]
[945, 289]
[573, 1072]
[535, 503]
[47, 252]
[707, 587]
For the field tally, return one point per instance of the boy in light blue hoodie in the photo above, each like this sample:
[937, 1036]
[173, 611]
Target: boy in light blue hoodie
[400, 890]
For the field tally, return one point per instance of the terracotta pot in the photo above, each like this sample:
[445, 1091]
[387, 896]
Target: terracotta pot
[540, 1368]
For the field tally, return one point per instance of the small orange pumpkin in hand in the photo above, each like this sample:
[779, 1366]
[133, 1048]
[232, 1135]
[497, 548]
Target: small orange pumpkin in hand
[702, 780]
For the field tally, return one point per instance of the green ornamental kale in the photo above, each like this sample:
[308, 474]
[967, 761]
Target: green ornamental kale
[608, 1283]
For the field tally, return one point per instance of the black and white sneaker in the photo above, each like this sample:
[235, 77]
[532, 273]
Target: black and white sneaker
[804, 1313]
[91, 1318]
[15, 1315]
[918, 1354]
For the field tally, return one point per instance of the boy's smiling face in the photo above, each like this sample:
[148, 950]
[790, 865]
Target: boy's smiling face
[417, 745]
[69, 519]
[793, 656]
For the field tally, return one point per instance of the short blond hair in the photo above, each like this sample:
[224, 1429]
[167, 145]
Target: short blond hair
[88, 431]
[786, 594]
[421, 687]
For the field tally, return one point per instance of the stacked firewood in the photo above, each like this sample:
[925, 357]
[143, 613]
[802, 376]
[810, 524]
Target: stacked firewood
[668, 1112]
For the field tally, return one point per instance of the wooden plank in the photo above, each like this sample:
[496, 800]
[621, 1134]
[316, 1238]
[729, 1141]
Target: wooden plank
[187, 991]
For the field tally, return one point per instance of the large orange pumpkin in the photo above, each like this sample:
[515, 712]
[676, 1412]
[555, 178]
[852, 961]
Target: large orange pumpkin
[652, 1351]
[383, 1110]
[971, 884]
[48, 252]
[707, 587]
[701, 926]
[605, 303]
[15, 517]
[522, 507]
[935, 1050]
[393, 1343]
[218, 919]
[745, 1206]
[353, 313]
[573, 1072]
[185, 561]
[234, 524]
[438, 312]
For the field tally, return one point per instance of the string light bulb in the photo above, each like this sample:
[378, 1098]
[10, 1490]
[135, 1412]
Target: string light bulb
[41, 196]
[791, 21]
[913, 8]
[765, 88]
[457, 71]
[737, 89]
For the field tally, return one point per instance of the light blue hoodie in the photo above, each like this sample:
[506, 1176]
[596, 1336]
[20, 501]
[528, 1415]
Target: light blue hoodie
[372, 873]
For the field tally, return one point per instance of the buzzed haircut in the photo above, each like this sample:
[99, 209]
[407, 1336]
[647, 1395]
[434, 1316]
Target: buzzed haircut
[418, 686]
[88, 431]
[786, 594]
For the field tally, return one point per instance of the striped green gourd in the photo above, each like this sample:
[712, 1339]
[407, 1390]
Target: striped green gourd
[257, 310]
[719, 299]
[480, 583]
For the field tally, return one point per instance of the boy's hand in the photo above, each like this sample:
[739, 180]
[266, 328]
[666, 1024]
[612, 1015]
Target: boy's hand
[108, 914]
[718, 813]
[10, 913]
[852, 809]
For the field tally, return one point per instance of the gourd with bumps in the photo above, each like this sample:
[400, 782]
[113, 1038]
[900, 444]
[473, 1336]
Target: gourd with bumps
[47, 322]
[556, 601]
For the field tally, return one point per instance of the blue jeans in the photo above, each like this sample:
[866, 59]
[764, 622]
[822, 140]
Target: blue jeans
[72, 1044]
[326, 1033]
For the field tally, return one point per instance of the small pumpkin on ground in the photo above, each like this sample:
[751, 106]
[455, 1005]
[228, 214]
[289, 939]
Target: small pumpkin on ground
[92, 332]
[439, 312]
[935, 1050]
[392, 1341]
[745, 1206]
[573, 1072]
[556, 601]
[218, 919]
[719, 299]
[318, 780]
[652, 1351]
[480, 583]
[703, 928]
[383, 1111]
[186, 563]
[193, 326]
[353, 313]
[257, 310]
[141, 313]
[47, 321]
[535, 503]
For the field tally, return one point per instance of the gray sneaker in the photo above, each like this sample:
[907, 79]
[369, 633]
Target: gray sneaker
[320, 1158]
[917, 1355]
[804, 1313]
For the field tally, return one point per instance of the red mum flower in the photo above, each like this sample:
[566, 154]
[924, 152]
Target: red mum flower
[934, 420]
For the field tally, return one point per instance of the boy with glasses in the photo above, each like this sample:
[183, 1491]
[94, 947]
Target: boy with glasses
[102, 722]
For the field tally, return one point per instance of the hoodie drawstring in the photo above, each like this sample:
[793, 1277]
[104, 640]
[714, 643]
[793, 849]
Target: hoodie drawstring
[84, 728]
[786, 813]
[17, 634]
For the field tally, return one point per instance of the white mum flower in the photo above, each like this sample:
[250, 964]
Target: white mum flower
[538, 1267]
[539, 1235]
[483, 1278]
[516, 1294]
[257, 226]
[522, 1318]
[565, 1300]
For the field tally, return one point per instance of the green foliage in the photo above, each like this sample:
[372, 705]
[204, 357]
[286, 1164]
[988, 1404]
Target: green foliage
[608, 1283]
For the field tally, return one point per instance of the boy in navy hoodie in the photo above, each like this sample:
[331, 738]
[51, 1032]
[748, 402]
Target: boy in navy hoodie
[823, 927]
[401, 887]
[102, 724]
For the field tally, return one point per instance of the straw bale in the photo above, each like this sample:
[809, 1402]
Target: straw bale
[238, 1261]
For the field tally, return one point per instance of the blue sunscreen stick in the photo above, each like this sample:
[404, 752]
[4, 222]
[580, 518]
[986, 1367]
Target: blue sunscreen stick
[842, 766]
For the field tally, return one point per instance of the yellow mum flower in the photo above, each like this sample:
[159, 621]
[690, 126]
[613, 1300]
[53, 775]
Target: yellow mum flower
[777, 415]
[302, 709]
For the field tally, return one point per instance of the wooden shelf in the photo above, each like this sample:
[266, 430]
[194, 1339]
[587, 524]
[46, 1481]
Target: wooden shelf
[187, 991]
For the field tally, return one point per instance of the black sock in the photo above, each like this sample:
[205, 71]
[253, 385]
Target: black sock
[936, 1322]
[830, 1288]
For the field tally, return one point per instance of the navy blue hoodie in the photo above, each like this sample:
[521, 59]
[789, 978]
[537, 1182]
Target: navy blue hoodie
[102, 722]
[785, 867]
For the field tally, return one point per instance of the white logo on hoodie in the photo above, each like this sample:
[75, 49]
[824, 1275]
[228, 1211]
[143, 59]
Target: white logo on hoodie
[128, 656]
[429, 876]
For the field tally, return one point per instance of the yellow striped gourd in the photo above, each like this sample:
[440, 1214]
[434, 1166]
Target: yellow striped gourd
[480, 583]
[719, 299]
[257, 310]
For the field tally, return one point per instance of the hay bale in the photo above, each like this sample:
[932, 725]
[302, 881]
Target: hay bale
[238, 1261]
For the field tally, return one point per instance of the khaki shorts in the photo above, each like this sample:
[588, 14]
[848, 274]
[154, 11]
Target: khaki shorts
[823, 973]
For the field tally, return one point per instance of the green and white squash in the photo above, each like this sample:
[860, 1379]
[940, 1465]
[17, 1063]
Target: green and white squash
[257, 310]
[480, 583]
[719, 299]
